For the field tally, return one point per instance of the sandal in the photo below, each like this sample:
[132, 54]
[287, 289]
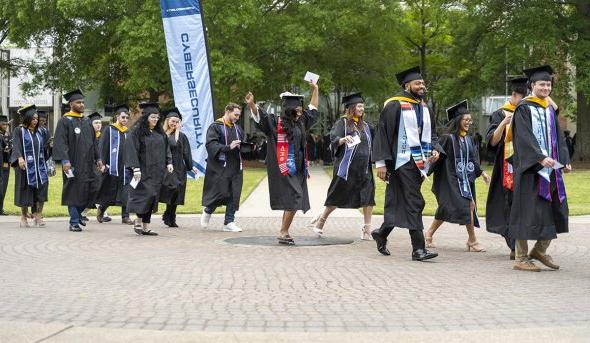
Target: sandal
[366, 233]
[318, 225]
[288, 240]
[475, 246]
[428, 240]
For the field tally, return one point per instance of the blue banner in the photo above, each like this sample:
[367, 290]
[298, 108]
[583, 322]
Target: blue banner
[189, 69]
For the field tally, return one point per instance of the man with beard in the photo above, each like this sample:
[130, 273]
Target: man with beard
[404, 146]
[74, 146]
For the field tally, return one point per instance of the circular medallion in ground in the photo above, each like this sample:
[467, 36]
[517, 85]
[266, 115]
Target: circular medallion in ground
[300, 241]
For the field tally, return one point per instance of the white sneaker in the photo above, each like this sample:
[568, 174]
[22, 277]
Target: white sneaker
[205, 217]
[232, 227]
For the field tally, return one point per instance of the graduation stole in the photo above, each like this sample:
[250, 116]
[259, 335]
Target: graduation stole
[349, 152]
[222, 155]
[410, 144]
[73, 114]
[507, 170]
[114, 152]
[285, 151]
[33, 165]
[543, 124]
[464, 164]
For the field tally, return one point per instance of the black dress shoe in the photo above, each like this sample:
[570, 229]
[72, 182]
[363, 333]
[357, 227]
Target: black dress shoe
[107, 219]
[381, 243]
[149, 233]
[84, 218]
[83, 223]
[423, 254]
[75, 228]
[167, 223]
[173, 224]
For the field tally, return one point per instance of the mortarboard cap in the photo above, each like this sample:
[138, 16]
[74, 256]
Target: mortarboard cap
[457, 110]
[173, 112]
[519, 85]
[291, 100]
[42, 114]
[542, 73]
[27, 110]
[150, 107]
[74, 95]
[118, 109]
[408, 75]
[352, 99]
[94, 116]
[3, 119]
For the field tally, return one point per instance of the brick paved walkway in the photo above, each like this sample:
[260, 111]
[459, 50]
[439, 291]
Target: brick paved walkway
[190, 279]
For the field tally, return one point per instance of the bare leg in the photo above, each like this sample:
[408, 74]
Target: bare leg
[23, 217]
[319, 221]
[472, 243]
[430, 232]
[286, 223]
[39, 215]
[368, 214]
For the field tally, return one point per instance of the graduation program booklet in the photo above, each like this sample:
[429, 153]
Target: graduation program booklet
[311, 77]
[355, 140]
[134, 182]
[69, 174]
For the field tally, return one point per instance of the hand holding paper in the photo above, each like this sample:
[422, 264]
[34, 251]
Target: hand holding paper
[311, 77]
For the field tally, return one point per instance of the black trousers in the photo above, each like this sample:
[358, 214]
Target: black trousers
[145, 217]
[170, 213]
[417, 236]
[4, 185]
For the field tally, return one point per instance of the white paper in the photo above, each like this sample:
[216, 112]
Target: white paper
[134, 182]
[312, 77]
[355, 140]
[69, 174]
[557, 165]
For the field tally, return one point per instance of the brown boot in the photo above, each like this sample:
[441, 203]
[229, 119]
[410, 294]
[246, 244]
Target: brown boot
[545, 259]
[512, 255]
[526, 266]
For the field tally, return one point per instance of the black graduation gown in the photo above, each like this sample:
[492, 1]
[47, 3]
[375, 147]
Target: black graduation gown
[452, 206]
[359, 190]
[532, 217]
[75, 141]
[96, 176]
[151, 154]
[182, 161]
[112, 191]
[499, 201]
[25, 195]
[287, 192]
[222, 181]
[4, 167]
[403, 199]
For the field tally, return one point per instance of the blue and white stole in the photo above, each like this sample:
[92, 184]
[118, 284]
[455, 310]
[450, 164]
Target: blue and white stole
[34, 166]
[114, 151]
[544, 129]
[222, 156]
[349, 152]
[464, 164]
[409, 143]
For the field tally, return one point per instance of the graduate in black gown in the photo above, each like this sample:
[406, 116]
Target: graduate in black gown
[5, 151]
[116, 177]
[147, 153]
[454, 177]
[286, 159]
[224, 174]
[95, 119]
[499, 199]
[405, 144]
[352, 183]
[28, 159]
[74, 146]
[182, 161]
[539, 204]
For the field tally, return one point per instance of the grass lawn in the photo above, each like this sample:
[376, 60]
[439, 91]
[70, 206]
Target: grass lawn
[53, 208]
[577, 186]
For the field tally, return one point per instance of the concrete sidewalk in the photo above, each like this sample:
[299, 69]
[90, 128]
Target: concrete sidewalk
[258, 203]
